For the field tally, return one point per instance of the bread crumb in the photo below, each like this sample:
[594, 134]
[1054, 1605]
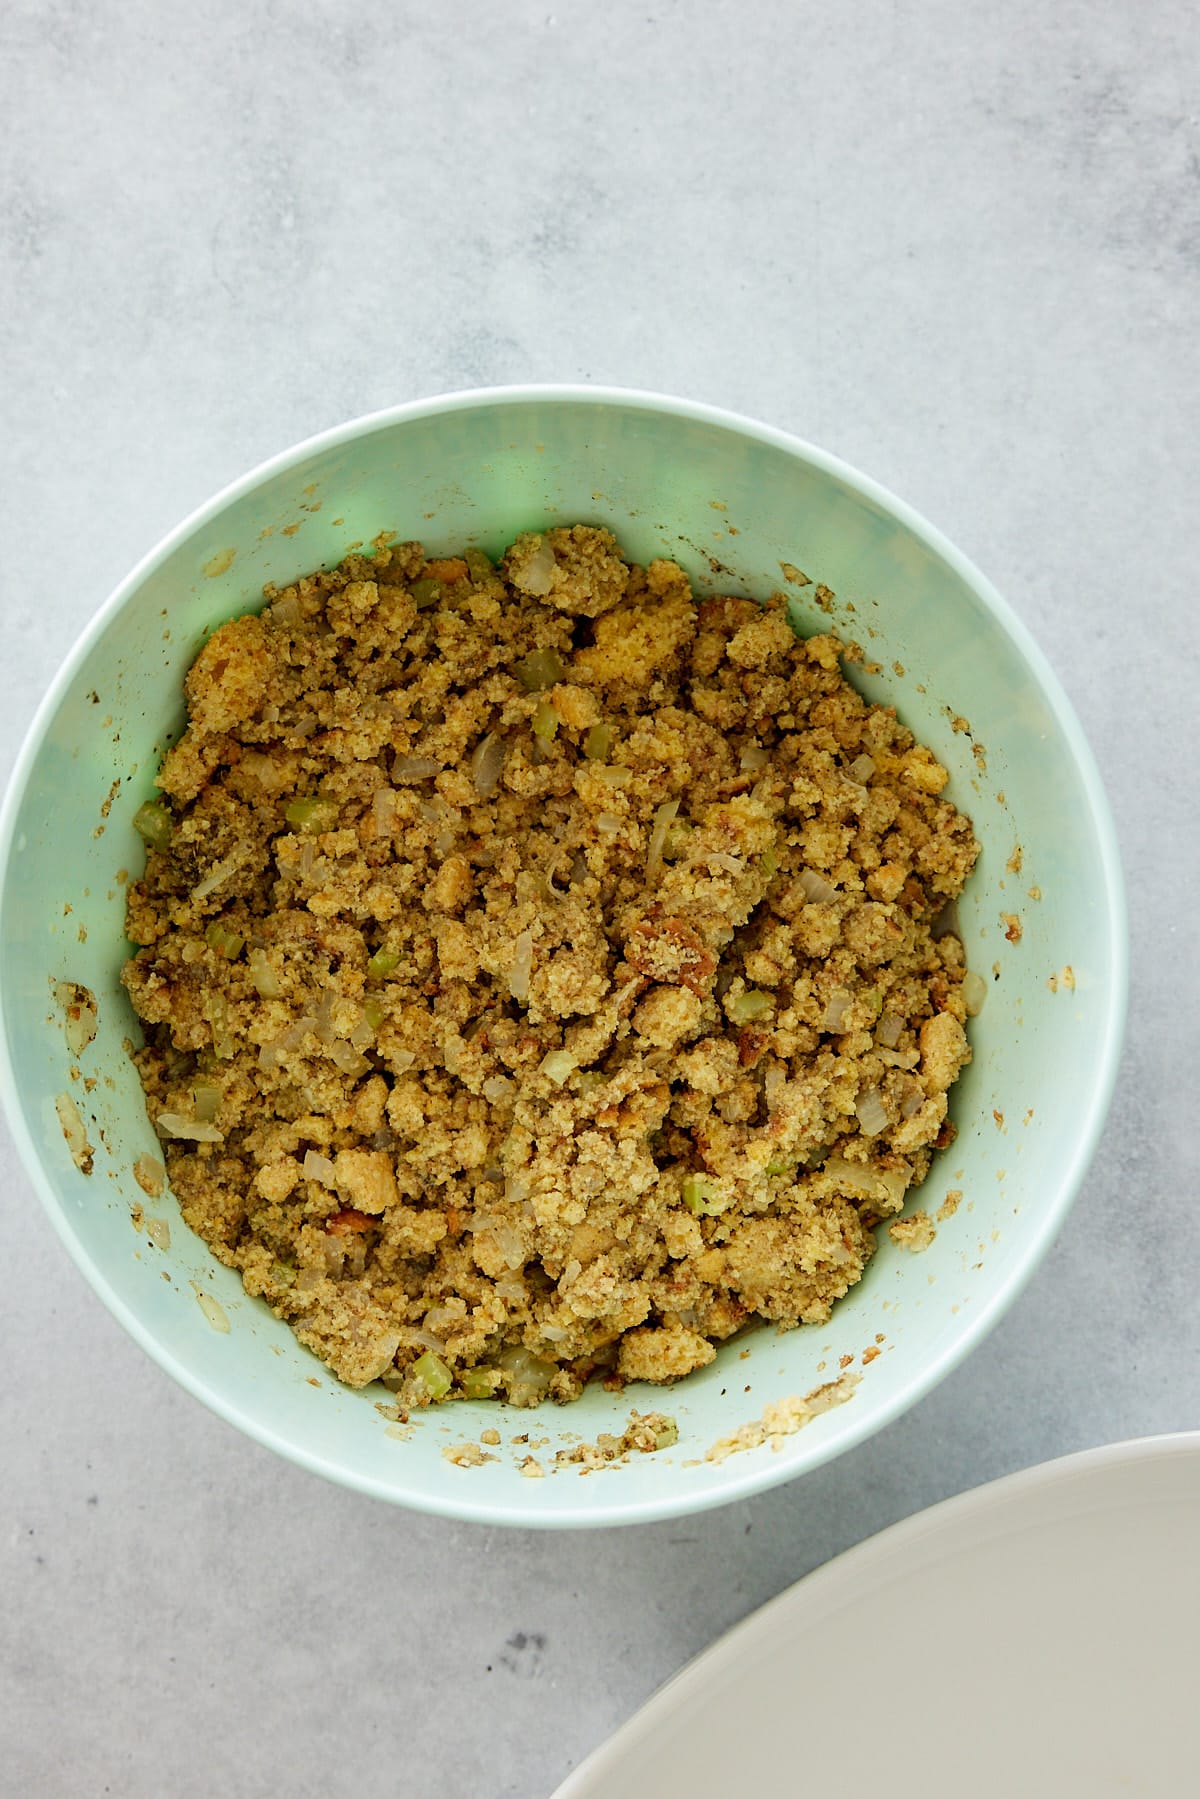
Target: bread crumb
[913, 1233]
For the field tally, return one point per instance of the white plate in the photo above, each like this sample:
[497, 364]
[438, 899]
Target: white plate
[1037, 1637]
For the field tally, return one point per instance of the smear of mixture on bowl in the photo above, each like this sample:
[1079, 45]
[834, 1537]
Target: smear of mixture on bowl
[539, 968]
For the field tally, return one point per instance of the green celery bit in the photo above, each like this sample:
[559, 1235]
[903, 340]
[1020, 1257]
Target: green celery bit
[225, 942]
[431, 1369]
[216, 1010]
[745, 1006]
[154, 824]
[667, 1434]
[700, 1195]
[311, 815]
[545, 721]
[541, 668]
[425, 592]
[597, 745]
[383, 963]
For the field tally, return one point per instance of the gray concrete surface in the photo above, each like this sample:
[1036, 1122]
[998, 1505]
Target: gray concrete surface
[956, 243]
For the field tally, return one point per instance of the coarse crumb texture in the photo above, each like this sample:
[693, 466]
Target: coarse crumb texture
[540, 969]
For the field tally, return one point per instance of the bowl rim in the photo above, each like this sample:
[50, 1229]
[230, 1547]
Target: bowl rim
[811, 1451]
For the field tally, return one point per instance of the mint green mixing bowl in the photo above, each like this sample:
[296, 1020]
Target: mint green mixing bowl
[733, 501]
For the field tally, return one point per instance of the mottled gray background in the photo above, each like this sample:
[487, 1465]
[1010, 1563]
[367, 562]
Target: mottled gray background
[956, 243]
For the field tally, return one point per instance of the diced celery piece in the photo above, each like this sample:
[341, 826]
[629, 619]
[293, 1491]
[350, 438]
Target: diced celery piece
[431, 1369]
[154, 824]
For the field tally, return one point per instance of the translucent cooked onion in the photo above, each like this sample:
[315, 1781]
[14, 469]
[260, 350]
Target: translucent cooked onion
[752, 758]
[888, 1030]
[383, 810]
[347, 1058]
[264, 769]
[836, 1008]
[899, 1058]
[815, 888]
[721, 859]
[608, 823]
[322, 1024]
[206, 1101]
[557, 1065]
[285, 611]
[266, 982]
[413, 1337]
[316, 1167]
[406, 770]
[525, 1368]
[522, 967]
[220, 871]
[913, 1100]
[862, 768]
[487, 763]
[974, 992]
[498, 1087]
[870, 1112]
[190, 1130]
[658, 837]
[536, 575]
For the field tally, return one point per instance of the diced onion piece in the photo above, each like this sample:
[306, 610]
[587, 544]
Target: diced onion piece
[215, 1312]
[219, 872]
[540, 669]
[557, 1065]
[836, 1008]
[154, 824]
[285, 611]
[888, 1030]
[75, 1131]
[545, 721]
[608, 823]
[206, 1101]
[744, 1007]
[347, 1058]
[752, 758]
[487, 762]
[597, 745]
[223, 941]
[862, 768]
[312, 815]
[870, 1112]
[266, 982]
[658, 837]
[264, 769]
[899, 1058]
[974, 992]
[816, 889]
[408, 769]
[525, 1369]
[721, 859]
[431, 1370]
[384, 810]
[363, 1034]
[617, 776]
[536, 573]
[316, 1167]
[498, 1087]
[191, 1130]
[522, 967]
[383, 963]
[79, 1014]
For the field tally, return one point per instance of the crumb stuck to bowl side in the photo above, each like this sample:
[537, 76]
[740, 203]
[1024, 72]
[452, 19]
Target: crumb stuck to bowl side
[539, 969]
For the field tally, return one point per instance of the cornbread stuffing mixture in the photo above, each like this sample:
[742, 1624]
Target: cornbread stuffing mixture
[538, 967]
